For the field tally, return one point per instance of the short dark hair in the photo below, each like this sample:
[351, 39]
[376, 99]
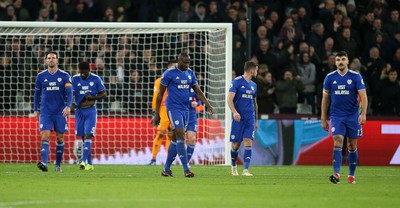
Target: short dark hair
[84, 66]
[52, 52]
[249, 64]
[341, 53]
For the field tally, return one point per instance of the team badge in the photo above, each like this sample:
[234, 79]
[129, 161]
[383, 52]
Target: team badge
[91, 83]
[349, 81]
[333, 129]
[59, 79]
[190, 77]
[176, 122]
[232, 136]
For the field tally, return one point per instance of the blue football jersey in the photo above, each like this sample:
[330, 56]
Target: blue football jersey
[51, 89]
[343, 91]
[178, 84]
[245, 93]
[91, 85]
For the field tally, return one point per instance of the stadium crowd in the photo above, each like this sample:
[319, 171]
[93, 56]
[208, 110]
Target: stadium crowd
[294, 42]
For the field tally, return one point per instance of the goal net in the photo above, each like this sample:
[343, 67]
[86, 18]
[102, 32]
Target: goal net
[129, 57]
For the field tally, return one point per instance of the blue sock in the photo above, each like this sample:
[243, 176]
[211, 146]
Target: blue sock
[189, 151]
[87, 148]
[353, 157]
[44, 151]
[234, 156]
[59, 153]
[247, 157]
[180, 148]
[337, 159]
[171, 155]
[89, 158]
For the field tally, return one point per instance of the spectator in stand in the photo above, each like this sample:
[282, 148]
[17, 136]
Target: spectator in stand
[266, 96]
[348, 44]
[238, 55]
[52, 8]
[258, 16]
[388, 95]
[262, 33]
[216, 14]
[347, 23]
[290, 34]
[264, 55]
[43, 15]
[21, 12]
[65, 10]
[109, 15]
[9, 14]
[317, 38]
[94, 9]
[373, 63]
[135, 96]
[366, 26]
[305, 48]
[200, 13]
[304, 20]
[393, 25]
[182, 13]
[241, 31]
[396, 60]
[326, 16]
[382, 44]
[233, 15]
[286, 92]
[307, 73]
[80, 14]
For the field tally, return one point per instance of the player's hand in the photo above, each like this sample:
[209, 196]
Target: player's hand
[210, 109]
[36, 114]
[324, 124]
[236, 116]
[362, 119]
[194, 104]
[89, 97]
[66, 111]
[155, 121]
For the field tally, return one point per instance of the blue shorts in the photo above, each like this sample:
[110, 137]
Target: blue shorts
[58, 122]
[347, 126]
[193, 124]
[242, 129]
[85, 121]
[178, 118]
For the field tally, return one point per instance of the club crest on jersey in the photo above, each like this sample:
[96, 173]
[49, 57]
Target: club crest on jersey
[333, 129]
[190, 77]
[59, 79]
[176, 122]
[349, 81]
[91, 83]
[232, 136]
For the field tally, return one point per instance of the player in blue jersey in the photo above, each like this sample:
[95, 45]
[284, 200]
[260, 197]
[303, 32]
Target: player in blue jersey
[342, 88]
[52, 106]
[179, 80]
[242, 100]
[87, 88]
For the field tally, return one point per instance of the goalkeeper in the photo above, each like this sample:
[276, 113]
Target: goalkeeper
[164, 128]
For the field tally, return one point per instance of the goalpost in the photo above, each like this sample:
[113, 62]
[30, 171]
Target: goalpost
[129, 57]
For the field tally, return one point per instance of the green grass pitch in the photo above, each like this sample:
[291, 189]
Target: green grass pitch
[23, 185]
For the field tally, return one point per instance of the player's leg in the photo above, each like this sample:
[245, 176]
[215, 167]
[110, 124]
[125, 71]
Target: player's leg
[60, 126]
[236, 138]
[191, 131]
[89, 132]
[354, 132]
[45, 125]
[80, 132]
[248, 135]
[352, 158]
[157, 141]
[338, 130]
[169, 139]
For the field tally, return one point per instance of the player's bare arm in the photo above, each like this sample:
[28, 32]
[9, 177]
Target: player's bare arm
[364, 103]
[236, 115]
[324, 109]
[156, 120]
[203, 98]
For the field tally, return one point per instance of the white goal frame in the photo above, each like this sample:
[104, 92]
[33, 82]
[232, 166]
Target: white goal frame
[25, 28]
